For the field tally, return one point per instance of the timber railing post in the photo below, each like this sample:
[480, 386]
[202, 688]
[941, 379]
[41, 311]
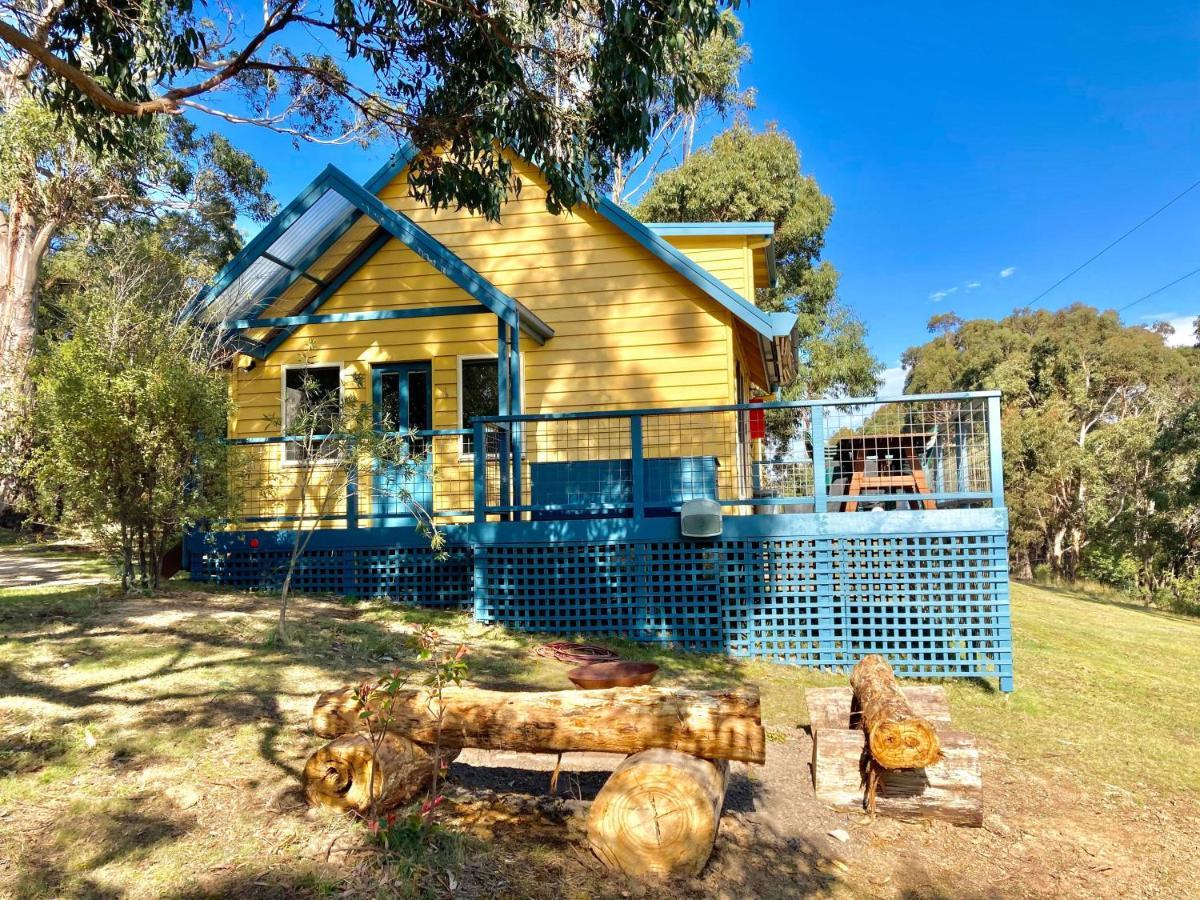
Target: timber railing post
[352, 488]
[637, 467]
[480, 473]
[995, 454]
[816, 435]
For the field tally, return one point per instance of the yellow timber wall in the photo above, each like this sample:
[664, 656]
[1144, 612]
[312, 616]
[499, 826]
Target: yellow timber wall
[630, 333]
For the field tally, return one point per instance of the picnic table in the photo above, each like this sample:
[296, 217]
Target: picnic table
[897, 465]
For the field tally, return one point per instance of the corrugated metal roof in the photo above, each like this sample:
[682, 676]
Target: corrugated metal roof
[262, 278]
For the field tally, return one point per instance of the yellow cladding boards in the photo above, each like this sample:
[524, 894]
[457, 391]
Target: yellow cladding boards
[630, 332]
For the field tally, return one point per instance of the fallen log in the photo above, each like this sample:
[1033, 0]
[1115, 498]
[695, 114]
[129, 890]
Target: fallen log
[658, 814]
[713, 725]
[833, 707]
[950, 790]
[897, 738]
[346, 774]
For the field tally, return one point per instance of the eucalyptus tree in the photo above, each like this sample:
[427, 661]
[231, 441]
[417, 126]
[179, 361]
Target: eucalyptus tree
[743, 175]
[1086, 402]
[55, 187]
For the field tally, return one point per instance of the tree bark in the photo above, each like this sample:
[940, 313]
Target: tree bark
[896, 737]
[658, 814]
[23, 242]
[714, 725]
[346, 775]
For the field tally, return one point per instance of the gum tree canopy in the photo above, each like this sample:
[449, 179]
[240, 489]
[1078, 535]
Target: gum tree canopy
[572, 84]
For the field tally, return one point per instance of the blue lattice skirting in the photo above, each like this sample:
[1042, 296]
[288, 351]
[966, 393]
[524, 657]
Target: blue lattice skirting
[387, 562]
[928, 589]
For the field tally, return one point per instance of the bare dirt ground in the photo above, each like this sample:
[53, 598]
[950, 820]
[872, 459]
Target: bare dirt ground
[151, 747]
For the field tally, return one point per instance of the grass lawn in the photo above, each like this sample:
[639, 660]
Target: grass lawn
[151, 746]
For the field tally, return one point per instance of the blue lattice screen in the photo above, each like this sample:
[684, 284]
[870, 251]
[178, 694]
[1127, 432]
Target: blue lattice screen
[936, 605]
[922, 588]
[410, 574]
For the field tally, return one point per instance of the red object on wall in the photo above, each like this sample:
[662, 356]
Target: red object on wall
[758, 421]
[253, 543]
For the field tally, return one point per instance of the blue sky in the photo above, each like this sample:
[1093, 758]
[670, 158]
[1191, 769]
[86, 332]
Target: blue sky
[975, 153]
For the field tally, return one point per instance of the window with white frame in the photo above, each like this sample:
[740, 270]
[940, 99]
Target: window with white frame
[312, 399]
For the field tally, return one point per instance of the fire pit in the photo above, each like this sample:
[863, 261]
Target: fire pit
[613, 674]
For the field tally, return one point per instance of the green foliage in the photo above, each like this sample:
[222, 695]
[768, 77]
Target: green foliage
[744, 176]
[169, 170]
[1101, 457]
[574, 84]
[130, 408]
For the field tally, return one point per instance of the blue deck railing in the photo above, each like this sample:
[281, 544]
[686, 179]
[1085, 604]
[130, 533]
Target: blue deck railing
[934, 451]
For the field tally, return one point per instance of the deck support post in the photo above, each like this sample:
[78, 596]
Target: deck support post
[516, 407]
[637, 467]
[505, 406]
[480, 478]
[816, 434]
[995, 458]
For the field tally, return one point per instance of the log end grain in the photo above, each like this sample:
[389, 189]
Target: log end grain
[348, 773]
[658, 814]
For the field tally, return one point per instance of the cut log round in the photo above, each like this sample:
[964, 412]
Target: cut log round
[713, 725]
[336, 713]
[343, 775]
[658, 813]
[896, 737]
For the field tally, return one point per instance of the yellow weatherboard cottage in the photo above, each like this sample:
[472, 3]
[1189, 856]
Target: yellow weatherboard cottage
[365, 288]
[582, 399]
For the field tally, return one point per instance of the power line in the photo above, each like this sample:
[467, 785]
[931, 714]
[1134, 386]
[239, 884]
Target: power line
[1084, 265]
[1159, 290]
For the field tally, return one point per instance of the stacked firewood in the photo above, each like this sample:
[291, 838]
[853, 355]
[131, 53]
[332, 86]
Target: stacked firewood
[890, 749]
[679, 743]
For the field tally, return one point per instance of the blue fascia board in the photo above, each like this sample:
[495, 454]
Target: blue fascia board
[361, 316]
[396, 164]
[839, 524]
[705, 229]
[693, 272]
[782, 323]
[397, 225]
[284, 218]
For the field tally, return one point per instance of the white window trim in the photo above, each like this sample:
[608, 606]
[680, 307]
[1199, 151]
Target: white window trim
[283, 370]
[463, 456]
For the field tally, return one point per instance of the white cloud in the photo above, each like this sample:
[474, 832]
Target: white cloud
[1185, 334]
[891, 382]
[1158, 317]
[971, 285]
[1008, 272]
[938, 296]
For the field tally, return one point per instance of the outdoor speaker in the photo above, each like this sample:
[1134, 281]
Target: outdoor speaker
[700, 519]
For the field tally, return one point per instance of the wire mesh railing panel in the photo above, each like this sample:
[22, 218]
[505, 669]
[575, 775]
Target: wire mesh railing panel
[271, 485]
[805, 456]
[907, 452]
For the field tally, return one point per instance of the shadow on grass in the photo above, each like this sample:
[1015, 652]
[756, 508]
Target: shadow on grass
[57, 858]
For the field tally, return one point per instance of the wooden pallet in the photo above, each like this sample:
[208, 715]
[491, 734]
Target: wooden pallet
[951, 790]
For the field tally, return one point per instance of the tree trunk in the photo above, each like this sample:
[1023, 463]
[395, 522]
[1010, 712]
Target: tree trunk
[714, 725]
[658, 814]
[896, 737]
[23, 242]
[347, 775]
